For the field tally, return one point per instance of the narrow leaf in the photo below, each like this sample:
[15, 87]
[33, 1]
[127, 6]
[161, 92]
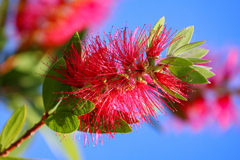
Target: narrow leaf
[77, 107]
[66, 149]
[205, 67]
[186, 33]
[176, 61]
[63, 122]
[205, 72]
[72, 149]
[75, 40]
[194, 53]
[188, 74]
[51, 90]
[187, 47]
[13, 127]
[198, 60]
[159, 24]
[172, 93]
[157, 28]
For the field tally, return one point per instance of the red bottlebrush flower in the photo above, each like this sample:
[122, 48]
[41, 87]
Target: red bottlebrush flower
[160, 40]
[112, 72]
[52, 23]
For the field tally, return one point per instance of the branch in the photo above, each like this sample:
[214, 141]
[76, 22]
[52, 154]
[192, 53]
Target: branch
[24, 137]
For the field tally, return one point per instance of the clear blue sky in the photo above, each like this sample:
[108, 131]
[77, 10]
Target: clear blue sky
[215, 21]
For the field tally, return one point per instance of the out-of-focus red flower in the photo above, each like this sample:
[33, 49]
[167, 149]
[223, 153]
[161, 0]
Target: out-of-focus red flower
[225, 111]
[214, 102]
[52, 23]
[113, 73]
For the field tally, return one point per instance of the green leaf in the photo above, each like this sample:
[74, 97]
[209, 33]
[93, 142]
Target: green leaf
[188, 74]
[66, 147]
[160, 23]
[72, 149]
[194, 53]
[63, 122]
[3, 12]
[77, 107]
[3, 39]
[75, 40]
[51, 88]
[176, 61]
[172, 93]
[187, 47]
[13, 127]
[205, 67]
[15, 158]
[205, 72]
[186, 33]
[198, 60]
[120, 127]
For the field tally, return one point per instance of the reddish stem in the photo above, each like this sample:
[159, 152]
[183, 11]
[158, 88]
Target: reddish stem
[24, 137]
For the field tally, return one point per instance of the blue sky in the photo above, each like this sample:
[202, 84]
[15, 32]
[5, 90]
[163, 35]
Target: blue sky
[215, 21]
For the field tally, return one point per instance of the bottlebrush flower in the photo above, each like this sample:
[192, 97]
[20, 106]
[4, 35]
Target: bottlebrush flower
[114, 73]
[52, 23]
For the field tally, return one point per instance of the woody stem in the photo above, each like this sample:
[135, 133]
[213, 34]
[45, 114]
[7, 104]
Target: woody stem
[25, 136]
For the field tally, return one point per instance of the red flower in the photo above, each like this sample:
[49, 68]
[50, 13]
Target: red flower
[112, 72]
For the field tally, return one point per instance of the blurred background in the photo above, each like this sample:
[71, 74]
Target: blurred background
[206, 127]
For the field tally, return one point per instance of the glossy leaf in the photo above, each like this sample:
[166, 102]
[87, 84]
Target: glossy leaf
[15, 158]
[186, 33]
[176, 61]
[122, 127]
[75, 40]
[188, 74]
[198, 60]
[63, 122]
[51, 90]
[13, 127]
[159, 24]
[172, 93]
[205, 72]
[187, 47]
[77, 107]
[194, 53]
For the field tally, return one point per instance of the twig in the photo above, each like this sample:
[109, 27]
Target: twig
[24, 137]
